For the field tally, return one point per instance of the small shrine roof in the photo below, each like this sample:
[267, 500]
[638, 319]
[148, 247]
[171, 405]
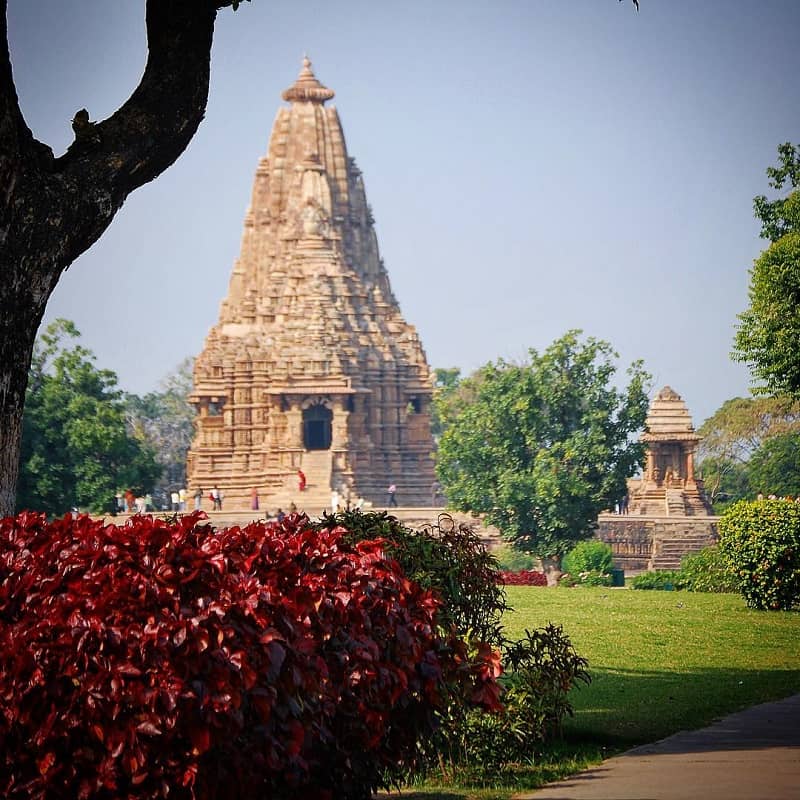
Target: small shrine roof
[668, 418]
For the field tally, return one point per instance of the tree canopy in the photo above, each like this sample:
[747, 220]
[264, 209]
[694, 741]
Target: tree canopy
[768, 335]
[76, 449]
[543, 446]
[738, 429]
[775, 467]
[164, 420]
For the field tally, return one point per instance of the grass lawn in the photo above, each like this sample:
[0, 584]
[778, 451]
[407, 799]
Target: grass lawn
[660, 662]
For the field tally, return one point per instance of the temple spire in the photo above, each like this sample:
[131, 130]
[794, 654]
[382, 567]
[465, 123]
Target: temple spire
[311, 366]
[307, 89]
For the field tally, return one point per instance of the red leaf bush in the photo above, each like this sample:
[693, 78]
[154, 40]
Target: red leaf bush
[168, 659]
[527, 577]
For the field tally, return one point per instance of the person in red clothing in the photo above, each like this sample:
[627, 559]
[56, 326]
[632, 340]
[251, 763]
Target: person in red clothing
[301, 478]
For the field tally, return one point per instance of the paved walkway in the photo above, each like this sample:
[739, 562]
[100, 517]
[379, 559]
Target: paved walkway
[751, 755]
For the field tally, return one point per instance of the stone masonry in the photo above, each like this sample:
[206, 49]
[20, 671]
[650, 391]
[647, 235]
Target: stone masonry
[669, 515]
[311, 365]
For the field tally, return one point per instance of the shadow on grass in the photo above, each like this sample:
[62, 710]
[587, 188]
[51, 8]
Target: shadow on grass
[623, 709]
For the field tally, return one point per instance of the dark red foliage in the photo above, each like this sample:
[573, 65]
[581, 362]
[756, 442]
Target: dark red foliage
[527, 577]
[161, 659]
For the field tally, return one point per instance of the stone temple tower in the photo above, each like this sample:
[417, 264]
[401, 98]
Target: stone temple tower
[311, 365]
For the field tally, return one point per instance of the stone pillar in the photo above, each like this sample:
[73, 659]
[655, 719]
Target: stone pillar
[294, 425]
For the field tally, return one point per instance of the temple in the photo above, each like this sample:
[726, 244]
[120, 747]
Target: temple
[669, 485]
[311, 366]
[668, 515]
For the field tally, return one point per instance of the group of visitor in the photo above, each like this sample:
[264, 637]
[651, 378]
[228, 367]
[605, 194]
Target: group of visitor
[787, 497]
[178, 498]
[128, 502]
[621, 506]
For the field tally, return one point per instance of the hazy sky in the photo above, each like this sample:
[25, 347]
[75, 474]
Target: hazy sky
[533, 166]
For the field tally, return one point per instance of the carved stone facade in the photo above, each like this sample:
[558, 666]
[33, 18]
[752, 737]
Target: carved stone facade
[311, 366]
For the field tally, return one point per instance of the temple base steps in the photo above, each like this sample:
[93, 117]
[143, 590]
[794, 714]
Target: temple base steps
[669, 552]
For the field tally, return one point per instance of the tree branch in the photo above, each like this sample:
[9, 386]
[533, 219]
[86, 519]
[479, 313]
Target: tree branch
[110, 159]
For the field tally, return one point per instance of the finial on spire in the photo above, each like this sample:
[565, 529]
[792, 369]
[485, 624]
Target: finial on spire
[307, 89]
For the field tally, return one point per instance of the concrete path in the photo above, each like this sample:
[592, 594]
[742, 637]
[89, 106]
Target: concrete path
[751, 755]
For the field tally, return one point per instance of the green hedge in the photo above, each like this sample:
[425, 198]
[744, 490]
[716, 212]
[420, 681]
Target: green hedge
[708, 571]
[660, 579]
[588, 563]
[761, 539]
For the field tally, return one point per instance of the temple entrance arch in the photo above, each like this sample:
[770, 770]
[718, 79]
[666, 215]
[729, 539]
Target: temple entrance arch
[317, 427]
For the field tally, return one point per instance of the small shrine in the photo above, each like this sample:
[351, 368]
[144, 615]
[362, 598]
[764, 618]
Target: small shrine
[669, 486]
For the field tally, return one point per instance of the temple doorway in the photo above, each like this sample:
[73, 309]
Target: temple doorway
[317, 427]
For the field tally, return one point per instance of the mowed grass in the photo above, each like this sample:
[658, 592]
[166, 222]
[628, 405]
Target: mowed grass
[663, 661]
[660, 662]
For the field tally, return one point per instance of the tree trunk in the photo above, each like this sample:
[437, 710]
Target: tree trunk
[551, 565]
[53, 209]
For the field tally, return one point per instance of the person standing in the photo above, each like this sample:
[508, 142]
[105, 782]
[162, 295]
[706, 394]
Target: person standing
[216, 503]
[391, 496]
[182, 495]
[301, 480]
[198, 499]
[254, 499]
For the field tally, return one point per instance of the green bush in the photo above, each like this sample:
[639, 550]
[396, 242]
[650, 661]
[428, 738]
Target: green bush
[708, 571]
[450, 559]
[589, 563]
[660, 579]
[540, 670]
[761, 539]
[510, 559]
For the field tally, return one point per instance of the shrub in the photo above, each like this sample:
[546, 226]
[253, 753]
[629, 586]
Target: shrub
[510, 559]
[538, 672]
[707, 571]
[660, 579]
[526, 578]
[761, 540]
[168, 658]
[449, 559]
[541, 669]
[588, 563]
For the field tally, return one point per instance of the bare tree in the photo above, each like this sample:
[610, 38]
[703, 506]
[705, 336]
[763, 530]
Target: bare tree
[53, 209]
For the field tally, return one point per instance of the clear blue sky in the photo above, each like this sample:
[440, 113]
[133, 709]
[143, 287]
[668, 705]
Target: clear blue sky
[533, 166]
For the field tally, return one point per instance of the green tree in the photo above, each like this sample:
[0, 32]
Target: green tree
[736, 430]
[768, 335]
[53, 209]
[164, 420]
[741, 425]
[775, 467]
[725, 481]
[76, 450]
[547, 444]
[445, 385]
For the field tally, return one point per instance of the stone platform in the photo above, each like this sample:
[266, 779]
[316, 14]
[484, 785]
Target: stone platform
[413, 517]
[643, 542]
